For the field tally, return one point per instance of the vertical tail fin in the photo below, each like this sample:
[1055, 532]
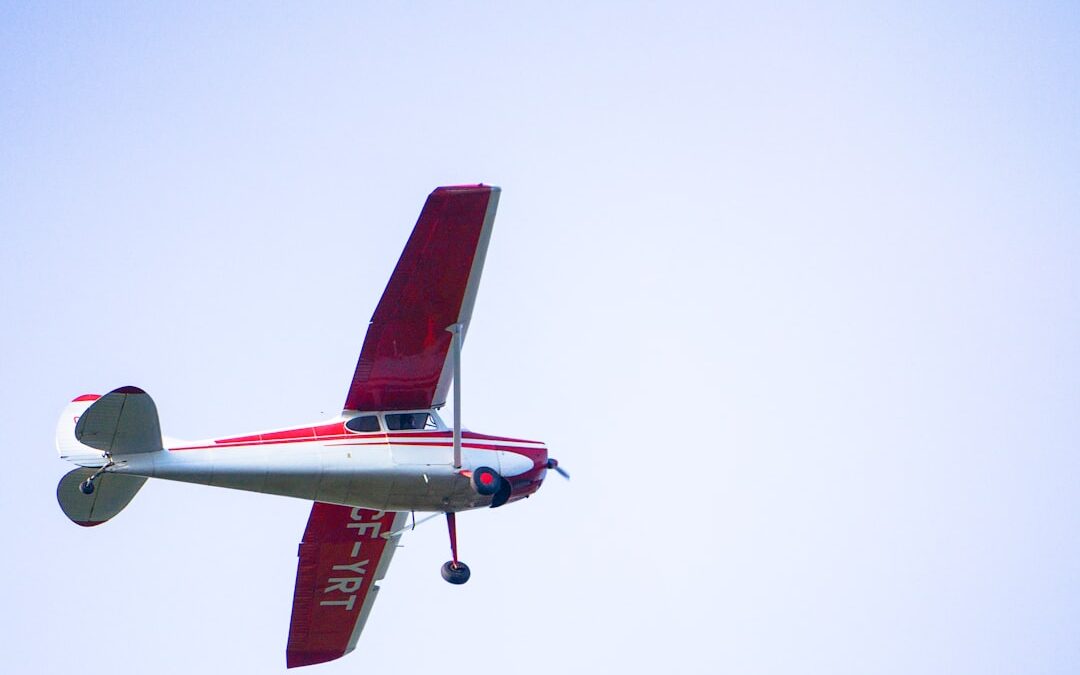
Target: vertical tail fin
[122, 422]
[66, 443]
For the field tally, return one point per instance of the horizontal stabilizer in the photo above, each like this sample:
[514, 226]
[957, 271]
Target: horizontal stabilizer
[122, 422]
[111, 494]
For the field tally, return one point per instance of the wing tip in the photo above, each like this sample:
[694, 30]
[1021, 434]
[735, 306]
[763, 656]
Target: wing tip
[300, 658]
[470, 187]
[129, 389]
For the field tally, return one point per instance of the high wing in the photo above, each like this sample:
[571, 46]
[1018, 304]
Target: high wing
[345, 550]
[403, 363]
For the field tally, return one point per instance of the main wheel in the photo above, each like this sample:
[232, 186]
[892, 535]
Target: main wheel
[455, 574]
[86, 487]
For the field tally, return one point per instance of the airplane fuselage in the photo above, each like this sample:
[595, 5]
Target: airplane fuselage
[403, 470]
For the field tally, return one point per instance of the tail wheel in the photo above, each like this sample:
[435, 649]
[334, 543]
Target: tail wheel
[456, 573]
[86, 487]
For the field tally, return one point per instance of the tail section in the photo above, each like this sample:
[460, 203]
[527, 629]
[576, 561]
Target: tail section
[122, 422]
[66, 444]
[92, 431]
[110, 495]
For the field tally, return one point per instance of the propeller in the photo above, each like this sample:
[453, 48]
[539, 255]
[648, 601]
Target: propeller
[554, 464]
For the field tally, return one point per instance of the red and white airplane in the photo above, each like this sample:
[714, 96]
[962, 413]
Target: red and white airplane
[387, 454]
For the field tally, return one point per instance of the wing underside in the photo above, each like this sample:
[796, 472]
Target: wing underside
[403, 363]
[345, 551]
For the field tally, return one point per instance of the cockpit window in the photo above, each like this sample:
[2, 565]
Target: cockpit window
[409, 421]
[363, 423]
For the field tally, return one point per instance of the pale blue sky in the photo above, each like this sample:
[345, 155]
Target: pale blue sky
[792, 292]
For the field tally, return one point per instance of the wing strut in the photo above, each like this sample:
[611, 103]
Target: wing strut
[456, 348]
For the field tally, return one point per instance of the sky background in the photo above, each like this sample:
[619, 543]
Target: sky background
[792, 292]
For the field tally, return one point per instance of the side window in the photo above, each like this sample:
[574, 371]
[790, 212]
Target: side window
[409, 421]
[363, 423]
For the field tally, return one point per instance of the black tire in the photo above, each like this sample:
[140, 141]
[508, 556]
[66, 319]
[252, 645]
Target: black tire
[86, 487]
[503, 495]
[458, 574]
[486, 481]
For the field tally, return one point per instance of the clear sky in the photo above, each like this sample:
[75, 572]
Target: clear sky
[791, 291]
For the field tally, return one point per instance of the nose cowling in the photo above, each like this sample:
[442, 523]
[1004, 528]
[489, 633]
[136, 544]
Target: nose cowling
[526, 483]
[520, 468]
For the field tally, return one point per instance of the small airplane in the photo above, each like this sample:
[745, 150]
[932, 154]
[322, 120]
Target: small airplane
[388, 454]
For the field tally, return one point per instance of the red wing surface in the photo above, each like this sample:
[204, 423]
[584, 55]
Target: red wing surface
[344, 552]
[403, 364]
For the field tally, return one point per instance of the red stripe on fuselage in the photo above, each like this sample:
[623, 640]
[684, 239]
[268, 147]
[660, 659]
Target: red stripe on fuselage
[373, 441]
[326, 432]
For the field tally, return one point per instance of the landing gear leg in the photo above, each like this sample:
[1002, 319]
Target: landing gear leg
[87, 486]
[454, 571]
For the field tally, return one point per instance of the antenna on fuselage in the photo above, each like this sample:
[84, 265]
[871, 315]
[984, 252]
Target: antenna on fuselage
[456, 348]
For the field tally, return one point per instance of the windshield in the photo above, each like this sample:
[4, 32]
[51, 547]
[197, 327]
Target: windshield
[410, 421]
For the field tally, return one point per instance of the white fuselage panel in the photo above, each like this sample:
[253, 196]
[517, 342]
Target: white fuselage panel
[381, 476]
